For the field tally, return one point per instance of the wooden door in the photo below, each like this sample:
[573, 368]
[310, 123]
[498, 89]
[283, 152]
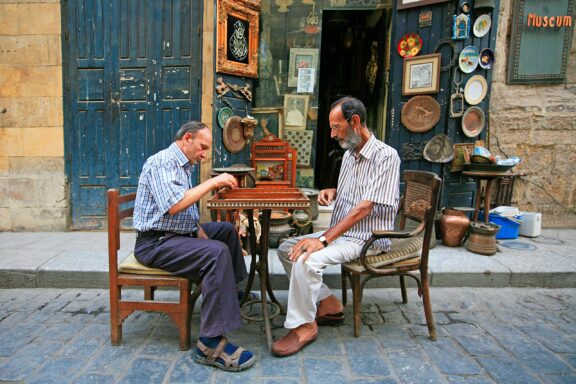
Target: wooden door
[132, 72]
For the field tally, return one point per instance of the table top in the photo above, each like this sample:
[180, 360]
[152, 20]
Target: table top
[259, 198]
[486, 174]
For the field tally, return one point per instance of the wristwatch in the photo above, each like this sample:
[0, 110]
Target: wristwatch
[323, 240]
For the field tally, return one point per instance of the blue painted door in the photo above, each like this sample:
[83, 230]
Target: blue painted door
[132, 72]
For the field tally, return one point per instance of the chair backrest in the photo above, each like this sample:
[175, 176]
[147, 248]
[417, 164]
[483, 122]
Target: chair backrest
[115, 215]
[420, 203]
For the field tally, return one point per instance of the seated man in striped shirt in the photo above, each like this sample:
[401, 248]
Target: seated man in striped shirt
[366, 199]
[170, 237]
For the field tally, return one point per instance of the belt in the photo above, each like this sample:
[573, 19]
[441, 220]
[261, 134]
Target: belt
[151, 234]
[158, 234]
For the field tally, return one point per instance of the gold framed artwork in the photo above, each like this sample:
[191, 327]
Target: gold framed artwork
[301, 58]
[295, 111]
[421, 75]
[237, 38]
[270, 122]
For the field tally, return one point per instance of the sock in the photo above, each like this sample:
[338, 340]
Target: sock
[212, 342]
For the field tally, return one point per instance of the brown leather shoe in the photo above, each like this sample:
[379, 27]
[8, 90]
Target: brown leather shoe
[330, 311]
[295, 340]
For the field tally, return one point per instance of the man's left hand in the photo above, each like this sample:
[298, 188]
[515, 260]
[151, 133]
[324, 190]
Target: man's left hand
[304, 248]
[202, 234]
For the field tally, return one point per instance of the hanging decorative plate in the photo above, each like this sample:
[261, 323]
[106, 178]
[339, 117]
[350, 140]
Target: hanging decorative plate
[468, 59]
[439, 149]
[410, 45]
[482, 25]
[473, 122]
[420, 114]
[486, 58]
[233, 135]
[223, 115]
[475, 90]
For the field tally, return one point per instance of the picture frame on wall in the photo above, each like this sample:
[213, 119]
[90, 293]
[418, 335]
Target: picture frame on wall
[301, 58]
[237, 39]
[403, 4]
[270, 121]
[295, 111]
[421, 75]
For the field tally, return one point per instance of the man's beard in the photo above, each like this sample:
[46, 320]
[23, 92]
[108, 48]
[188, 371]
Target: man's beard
[351, 140]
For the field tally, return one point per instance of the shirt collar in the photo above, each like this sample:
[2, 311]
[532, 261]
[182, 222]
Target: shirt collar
[367, 150]
[180, 157]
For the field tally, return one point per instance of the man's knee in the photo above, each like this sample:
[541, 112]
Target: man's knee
[284, 248]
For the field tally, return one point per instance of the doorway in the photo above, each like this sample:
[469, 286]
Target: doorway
[353, 62]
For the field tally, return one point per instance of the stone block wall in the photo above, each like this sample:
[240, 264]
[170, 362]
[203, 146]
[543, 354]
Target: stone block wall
[32, 177]
[538, 124]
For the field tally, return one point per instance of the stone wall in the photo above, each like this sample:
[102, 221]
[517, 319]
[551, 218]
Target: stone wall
[32, 181]
[538, 124]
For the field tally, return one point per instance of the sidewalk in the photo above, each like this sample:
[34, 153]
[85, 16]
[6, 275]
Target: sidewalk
[80, 260]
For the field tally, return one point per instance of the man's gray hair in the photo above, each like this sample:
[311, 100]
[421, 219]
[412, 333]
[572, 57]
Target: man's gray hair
[351, 106]
[190, 126]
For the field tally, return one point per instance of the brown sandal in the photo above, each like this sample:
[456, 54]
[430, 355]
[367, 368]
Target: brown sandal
[217, 357]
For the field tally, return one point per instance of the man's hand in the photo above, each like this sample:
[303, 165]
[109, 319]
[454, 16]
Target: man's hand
[304, 248]
[225, 180]
[327, 196]
[201, 233]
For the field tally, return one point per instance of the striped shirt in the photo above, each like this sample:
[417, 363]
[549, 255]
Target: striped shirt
[373, 175]
[164, 179]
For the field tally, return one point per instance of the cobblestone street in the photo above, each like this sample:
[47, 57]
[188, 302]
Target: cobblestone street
[506, 335]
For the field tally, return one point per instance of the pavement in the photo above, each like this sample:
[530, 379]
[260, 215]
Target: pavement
[80, 260]
[485, 335]
[498, 321]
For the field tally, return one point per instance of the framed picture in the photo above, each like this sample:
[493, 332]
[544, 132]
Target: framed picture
[402, 4]
[301, 58]
[237, 39]
[270, 121]
[421, 75]
[295, 111]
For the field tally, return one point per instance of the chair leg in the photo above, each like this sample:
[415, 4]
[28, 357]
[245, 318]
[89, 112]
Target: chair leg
[428, 307]
[343, 277]
[115, 322]
[356, 303]
[184, 316]
[403, 289]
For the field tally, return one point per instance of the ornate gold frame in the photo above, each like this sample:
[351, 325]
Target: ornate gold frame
[226, 8]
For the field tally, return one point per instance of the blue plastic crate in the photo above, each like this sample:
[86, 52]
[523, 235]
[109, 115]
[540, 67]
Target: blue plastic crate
[508, 228]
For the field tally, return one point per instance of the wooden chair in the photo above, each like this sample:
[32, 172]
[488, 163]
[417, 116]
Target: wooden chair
[130, 273]
[409, 250]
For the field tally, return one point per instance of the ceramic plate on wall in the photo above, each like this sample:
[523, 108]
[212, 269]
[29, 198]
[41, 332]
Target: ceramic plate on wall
[473, 122]
[486, 58]
[482, 25]
[223, 115]
[409, 45]
[468, 60]
[475, 90]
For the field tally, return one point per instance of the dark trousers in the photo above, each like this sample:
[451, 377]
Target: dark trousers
[217, 262]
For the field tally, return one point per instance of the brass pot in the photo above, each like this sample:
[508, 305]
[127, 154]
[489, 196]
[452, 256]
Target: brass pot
[453, 227]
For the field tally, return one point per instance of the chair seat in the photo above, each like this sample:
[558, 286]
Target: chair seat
[131, 265]
[401, 249]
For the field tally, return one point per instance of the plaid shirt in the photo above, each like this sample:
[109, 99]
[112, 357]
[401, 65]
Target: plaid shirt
[373, 175]
[164, 179]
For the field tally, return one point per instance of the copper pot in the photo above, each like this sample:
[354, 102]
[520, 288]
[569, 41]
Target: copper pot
[453, 227]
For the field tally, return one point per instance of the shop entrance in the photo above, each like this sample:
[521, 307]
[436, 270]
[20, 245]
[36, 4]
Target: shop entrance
[353, 62]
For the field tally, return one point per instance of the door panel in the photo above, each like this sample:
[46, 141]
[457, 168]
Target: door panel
[132, 77]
